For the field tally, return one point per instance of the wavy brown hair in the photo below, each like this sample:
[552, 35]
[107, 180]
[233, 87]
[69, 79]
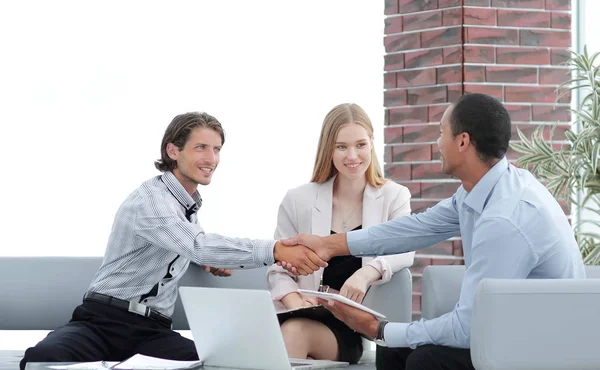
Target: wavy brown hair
[178, 133]
[339, 116]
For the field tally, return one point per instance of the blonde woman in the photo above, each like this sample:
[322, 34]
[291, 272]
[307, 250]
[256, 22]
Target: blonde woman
[347, 192]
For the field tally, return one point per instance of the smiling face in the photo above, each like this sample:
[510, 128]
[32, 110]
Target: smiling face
[352, 151]
[198, 159]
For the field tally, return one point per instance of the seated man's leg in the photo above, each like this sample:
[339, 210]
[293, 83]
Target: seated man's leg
[432, 357]
[166, 343]
[429, 357]
[391, 358]
[74, 342]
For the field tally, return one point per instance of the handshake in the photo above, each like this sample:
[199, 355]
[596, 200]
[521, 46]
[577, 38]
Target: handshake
[306, 253]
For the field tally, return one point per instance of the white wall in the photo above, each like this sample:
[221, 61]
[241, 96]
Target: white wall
[87, 89]
[591, 26]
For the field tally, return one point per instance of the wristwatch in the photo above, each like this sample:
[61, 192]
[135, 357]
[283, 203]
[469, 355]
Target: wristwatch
[379, 339]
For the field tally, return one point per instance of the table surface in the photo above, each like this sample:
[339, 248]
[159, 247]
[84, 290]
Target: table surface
[46, 366]
[14, 342]
[9, 360]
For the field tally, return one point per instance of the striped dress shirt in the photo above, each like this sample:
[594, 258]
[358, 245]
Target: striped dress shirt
[154, 238]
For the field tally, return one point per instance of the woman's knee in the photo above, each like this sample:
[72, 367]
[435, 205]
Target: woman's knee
[294, 328]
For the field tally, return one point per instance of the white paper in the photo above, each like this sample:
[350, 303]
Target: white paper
[146, 362]
[86, 365]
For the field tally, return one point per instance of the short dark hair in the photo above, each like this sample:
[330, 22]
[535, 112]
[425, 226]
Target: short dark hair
[178, 133]
[487, 122]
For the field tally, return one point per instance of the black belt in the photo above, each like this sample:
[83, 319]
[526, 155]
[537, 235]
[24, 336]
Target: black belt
[130, 306]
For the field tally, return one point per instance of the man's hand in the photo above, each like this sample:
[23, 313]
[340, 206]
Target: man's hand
[356, 286]
[303, 260]
[326, 247]
[216, 270]
[357, 319]
[313, 242]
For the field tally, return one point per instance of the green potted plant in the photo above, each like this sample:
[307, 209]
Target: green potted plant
[572, 172]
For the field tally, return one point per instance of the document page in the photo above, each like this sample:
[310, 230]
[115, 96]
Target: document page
[97, 365]
[146, 362]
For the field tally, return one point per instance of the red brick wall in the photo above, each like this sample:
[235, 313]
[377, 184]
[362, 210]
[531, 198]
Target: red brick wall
[437, 50]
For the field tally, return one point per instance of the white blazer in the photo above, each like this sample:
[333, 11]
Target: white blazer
[307, 209]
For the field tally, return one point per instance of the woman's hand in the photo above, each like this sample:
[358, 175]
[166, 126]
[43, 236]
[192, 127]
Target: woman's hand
[356, 286]
[295, 300]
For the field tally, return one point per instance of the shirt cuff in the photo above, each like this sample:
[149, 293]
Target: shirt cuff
[358, 243]
[394, 334]
[262, 252]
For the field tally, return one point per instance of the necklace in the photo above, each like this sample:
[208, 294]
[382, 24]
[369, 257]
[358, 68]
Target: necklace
[344, 226]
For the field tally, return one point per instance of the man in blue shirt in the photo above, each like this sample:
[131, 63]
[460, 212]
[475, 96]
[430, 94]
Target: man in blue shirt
[511, 228]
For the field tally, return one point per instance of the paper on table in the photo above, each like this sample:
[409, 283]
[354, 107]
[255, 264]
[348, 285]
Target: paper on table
[146, 362]
[85, 365]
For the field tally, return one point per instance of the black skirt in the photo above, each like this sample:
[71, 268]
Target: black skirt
[349, 342]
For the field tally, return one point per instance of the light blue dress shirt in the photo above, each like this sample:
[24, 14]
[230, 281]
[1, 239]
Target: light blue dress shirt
[511, 228]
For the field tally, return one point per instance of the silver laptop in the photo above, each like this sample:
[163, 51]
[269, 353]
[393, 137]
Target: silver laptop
[238, 328]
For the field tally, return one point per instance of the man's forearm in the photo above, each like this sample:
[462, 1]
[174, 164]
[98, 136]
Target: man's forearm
[336, 245]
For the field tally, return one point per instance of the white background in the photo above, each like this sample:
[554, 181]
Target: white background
[591, 28]
[88, 88]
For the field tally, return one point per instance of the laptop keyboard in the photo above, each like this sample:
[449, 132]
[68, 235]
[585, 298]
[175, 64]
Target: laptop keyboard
[294, 363]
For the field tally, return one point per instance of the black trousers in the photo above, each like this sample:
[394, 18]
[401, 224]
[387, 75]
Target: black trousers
[99, 332]
[428, 357]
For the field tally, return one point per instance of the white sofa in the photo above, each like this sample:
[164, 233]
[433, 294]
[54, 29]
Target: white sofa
[40, 293]
[524, 324]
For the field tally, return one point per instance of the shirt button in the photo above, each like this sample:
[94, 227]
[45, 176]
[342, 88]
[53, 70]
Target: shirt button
[264, 263]
[172, 269]
[162, 284]
[241, 267]
[145, 301]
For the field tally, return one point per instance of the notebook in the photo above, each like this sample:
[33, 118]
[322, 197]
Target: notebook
[238, 328]
[316, 312]
[342, 299]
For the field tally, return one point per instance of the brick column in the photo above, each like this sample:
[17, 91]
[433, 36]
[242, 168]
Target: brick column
[437, 50]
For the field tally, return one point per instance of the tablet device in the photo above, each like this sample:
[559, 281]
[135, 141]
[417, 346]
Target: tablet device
[340, 298]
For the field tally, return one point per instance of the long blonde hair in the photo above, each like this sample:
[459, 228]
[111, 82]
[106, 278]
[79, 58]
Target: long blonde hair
[339, 116]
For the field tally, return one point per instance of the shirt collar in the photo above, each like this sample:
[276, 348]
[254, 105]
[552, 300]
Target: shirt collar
[479, 195]
[190, 203]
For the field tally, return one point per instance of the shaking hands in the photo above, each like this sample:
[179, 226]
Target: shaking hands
[297, 258]
[306, 253]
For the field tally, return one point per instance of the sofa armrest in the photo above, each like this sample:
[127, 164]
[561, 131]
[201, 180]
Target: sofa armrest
[393, 299]
[592, 272]
[41, 292]
[441, 289]
[536, 324]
